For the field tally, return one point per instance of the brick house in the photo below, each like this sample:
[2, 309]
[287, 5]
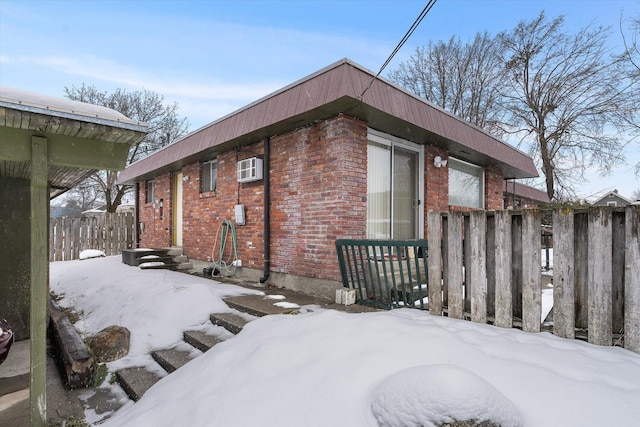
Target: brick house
[337, 154]
[520, 196]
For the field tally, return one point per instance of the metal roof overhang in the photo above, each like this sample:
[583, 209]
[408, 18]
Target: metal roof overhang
[81, 138]
[337, 89]
[375, 118]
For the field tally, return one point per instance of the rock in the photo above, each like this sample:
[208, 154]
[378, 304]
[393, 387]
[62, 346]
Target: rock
[111, 343]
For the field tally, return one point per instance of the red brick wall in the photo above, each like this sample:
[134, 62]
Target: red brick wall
[318, 194]
[493, 187]
[203, 213]
[436, 181]
[318, 188]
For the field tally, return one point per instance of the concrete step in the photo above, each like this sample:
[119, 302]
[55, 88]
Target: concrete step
[231, 322]
[180, 258]
[259, 305]
[201, 340]
[171, 359]
[136, 381]
[184, 266]
[158, 265]
[174, 250]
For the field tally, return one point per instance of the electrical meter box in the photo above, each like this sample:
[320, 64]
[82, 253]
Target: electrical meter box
[239, 214]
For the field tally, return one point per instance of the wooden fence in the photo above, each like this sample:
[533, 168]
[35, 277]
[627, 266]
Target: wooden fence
[110, 233]
[596, 271]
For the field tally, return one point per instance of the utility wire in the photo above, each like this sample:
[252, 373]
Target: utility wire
[419, 19]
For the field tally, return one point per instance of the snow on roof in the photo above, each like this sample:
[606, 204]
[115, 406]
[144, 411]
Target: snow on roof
[38, 103]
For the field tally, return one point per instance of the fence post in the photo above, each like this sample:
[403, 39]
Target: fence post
[504, 304]
[434, 260]
[477, 265]
[564, 321]
[531, 265]
[632, 280]
[599, 282]
[454, 264]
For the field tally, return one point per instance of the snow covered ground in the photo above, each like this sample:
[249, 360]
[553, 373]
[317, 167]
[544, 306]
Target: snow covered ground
[328, 368]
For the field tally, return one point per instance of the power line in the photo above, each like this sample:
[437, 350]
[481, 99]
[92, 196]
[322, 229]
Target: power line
[413, 27]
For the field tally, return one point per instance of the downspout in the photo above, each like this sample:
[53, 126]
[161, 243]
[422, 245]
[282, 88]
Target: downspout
[136, 244]
[267, 211]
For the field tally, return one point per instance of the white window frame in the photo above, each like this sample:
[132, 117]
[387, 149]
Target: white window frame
[393, 141]
[210, 167]
[149, 191]
[461, 165]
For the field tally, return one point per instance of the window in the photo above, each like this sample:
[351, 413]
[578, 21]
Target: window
[466, 184]
[394, 186]
[149, 195]
[209, 174]
[614, 203]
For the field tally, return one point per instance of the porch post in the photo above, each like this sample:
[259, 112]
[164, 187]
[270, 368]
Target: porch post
[38, 288]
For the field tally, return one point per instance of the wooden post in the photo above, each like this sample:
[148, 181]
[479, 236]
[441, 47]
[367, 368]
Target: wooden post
[477, 265]
[491, 265]
[504, 304]
[564, 320]
[632, 279]
[434, 261]
[531, 266]
[454, 273]
[599, 281]
[38, 289]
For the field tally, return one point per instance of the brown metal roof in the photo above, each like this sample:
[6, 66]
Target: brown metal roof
[333, 90]
[526, 191]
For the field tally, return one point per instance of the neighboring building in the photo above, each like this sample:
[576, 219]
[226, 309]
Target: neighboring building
[338, 154]
[612, 198]
[520, 196]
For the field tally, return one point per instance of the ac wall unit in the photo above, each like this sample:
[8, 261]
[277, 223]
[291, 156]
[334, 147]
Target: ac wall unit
[250, 170]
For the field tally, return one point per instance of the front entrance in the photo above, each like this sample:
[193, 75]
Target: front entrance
[177, 210]
[394, 188]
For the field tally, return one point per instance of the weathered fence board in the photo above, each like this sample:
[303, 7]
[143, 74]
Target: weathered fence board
[531, 257]
[434, 262]
[632, 279]
[110, 233]
[477, 276]
[599, 289]
[563, 274]
[503, 302]
[454, 257]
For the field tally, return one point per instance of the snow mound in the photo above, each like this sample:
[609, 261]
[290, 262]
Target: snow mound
[91, 253]
[432, 395]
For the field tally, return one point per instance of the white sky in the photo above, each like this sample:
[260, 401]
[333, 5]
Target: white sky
[214, 57]
[327, 368]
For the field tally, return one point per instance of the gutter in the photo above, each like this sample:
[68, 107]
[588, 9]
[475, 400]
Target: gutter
[267, 211]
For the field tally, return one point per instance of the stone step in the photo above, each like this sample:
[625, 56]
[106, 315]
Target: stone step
[231, 322]
[136, 381]
[201, 340]
[171, 359]
[184, 266]
[259, 305]
[158, 265]
[180, 258]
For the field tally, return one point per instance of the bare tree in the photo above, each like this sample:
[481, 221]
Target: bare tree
[632, 53]
[164, 127]
[568, 97]
[462, 78]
